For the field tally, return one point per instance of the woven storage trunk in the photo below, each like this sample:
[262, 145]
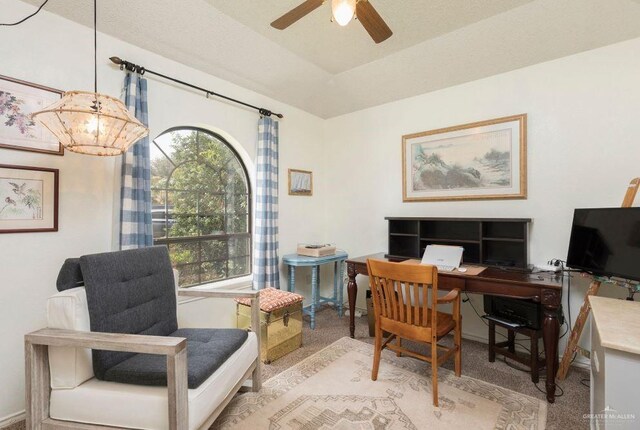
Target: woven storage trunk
[280, 322]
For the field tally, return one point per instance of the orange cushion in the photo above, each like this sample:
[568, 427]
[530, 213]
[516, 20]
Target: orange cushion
[272, 299]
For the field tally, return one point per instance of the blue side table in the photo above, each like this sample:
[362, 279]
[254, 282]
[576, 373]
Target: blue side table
[295, 260]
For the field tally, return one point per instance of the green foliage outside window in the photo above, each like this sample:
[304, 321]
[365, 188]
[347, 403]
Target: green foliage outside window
[200, 196]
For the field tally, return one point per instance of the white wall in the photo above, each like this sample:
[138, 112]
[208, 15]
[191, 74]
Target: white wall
[52, 51]
[583, 149]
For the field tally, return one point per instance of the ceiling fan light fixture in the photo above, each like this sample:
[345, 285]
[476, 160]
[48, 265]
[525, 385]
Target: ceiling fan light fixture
[343, 11]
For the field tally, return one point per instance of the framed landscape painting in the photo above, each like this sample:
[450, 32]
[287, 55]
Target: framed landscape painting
[28, 199]
[18, 100]
[300, 182]
[481, 160]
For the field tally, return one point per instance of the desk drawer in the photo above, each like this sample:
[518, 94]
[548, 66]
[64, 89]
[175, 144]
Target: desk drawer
[450, 283]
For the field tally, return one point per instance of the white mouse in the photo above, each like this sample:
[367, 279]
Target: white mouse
[462, 269]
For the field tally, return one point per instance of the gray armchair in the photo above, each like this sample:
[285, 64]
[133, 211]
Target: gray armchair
[143, 371]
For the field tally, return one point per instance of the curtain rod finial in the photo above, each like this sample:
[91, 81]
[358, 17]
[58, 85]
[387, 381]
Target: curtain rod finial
[115, 60]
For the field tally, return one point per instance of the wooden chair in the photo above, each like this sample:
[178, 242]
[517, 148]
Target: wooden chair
[401, 307]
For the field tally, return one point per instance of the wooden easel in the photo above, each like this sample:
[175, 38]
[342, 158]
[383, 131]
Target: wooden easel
[572, 346]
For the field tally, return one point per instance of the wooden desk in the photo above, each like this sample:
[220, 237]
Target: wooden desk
[546, 289]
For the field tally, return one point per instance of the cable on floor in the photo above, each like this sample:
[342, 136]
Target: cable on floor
[542, 379]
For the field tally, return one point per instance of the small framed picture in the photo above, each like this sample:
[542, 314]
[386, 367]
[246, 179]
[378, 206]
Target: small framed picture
[28, 199]
[18, 100]
[300, 182]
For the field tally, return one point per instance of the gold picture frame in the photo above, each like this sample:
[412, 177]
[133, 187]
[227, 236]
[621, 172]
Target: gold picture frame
[300, 182]
[485, 160]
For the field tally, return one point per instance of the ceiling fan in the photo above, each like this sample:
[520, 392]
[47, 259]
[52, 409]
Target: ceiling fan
[343, 11]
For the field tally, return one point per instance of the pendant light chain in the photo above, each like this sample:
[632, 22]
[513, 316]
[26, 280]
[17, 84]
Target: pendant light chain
[95, 46]
[91, 123]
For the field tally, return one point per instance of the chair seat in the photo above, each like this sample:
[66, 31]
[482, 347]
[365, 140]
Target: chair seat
[144, 407]
[207, 350]
[445, 322]
[445, 325]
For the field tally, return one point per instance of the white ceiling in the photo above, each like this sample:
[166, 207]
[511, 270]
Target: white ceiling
[336, 49]
[328, 70]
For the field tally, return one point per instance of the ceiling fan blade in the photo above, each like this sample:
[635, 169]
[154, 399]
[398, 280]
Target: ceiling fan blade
[372, 21]
[296, 13]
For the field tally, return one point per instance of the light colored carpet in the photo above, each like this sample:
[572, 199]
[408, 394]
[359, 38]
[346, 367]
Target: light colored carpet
[332, 389]
[565, 414]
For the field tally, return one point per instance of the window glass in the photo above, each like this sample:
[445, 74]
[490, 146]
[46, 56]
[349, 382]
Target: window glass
[201, 205]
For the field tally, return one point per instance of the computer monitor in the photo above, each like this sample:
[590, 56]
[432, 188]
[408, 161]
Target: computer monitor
[606, 242]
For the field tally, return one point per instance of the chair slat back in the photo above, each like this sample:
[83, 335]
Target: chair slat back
[401, 291]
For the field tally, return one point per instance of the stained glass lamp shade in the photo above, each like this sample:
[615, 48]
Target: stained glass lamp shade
[92, 123]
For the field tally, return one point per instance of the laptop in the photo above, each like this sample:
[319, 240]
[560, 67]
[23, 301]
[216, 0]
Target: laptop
[445, 258]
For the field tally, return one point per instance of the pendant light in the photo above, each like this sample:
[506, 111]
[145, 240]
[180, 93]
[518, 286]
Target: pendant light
[343, 10]
[89, 122]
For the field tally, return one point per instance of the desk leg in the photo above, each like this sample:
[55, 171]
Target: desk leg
[550, 333]
[314, 295]
[352, 289]
[292, 278]
[340, 288]
[336, 305]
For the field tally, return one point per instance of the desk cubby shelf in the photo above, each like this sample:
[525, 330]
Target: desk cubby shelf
[487, 241]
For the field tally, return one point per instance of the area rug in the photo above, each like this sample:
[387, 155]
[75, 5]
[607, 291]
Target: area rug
[332, 389]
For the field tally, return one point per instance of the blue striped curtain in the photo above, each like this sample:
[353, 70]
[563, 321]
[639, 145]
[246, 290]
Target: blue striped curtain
[266, 271]
[135, 192]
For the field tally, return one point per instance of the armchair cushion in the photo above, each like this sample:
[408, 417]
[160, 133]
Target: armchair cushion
[69, 367]
[207, 350]
[70, 275]
[144, 407]
[130, 292]
[67, 309]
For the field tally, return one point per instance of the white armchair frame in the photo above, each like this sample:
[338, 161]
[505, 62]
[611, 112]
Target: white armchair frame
[38, 388]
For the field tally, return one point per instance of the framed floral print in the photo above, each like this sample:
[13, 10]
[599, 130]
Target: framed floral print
[18, 100]
[477, 161]
[28, 199]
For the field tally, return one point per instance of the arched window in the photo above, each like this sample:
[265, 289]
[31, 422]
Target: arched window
[201, 205]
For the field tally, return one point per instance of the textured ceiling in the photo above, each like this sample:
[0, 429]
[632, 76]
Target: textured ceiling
[328, 70]
[336, 49]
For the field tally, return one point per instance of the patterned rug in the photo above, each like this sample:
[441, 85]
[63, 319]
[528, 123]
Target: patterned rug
[333, 389]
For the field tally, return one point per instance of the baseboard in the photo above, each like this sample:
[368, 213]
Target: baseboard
[586, 365]
[10, 420]
[475, 337]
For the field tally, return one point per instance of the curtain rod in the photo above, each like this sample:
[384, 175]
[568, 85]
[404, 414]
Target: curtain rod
[124, 64]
